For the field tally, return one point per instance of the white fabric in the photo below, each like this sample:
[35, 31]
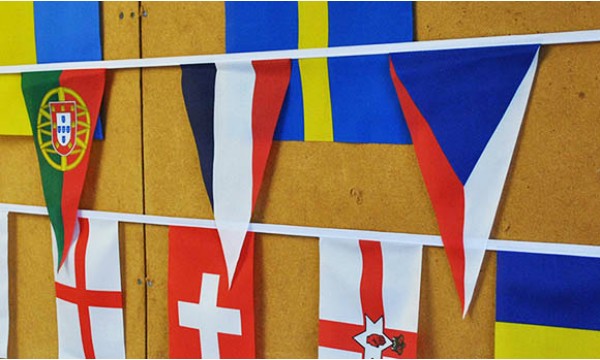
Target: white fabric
[208, 318]
[341, 267]
[484, 186]
[103, 273]
[4, 308]
[232, 168]
[402, 285]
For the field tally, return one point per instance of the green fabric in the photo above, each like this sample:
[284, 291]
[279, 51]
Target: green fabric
[35, 86]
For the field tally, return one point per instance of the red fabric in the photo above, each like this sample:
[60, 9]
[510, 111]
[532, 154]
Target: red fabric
[272, 80]
[371, 282]
[337, 335]
[82, 297]
[445, 189]
[89, 84]
[193, 252]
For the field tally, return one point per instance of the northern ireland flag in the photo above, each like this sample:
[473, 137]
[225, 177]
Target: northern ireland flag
[207, 318]
[233, 109]
[369, 299]
[464, 109]
[89, 304]
[63, 109]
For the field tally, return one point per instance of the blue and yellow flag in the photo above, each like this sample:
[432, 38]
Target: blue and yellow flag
[349, 99]
[37, 33]
[547, 306]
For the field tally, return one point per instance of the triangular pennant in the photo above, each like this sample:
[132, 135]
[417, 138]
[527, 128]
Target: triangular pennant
[233, 109]
[63, 110]
[464, 109]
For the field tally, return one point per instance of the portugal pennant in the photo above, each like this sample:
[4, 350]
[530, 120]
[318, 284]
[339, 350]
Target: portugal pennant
[464, 109]
[63, 109]
[233, 110]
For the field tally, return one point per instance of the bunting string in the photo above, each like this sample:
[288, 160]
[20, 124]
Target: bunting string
[556, 38]
[533, 247]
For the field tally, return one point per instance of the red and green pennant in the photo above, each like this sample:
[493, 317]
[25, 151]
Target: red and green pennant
[63, 110]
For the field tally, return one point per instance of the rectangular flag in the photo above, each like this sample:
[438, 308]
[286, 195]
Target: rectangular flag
[43, 32]
[63, 109]
[369, 299]
[547, 306]
[348, 99]
[208, 318]
[464, 109]
[4, 309]
[233, 109]
[89, 305]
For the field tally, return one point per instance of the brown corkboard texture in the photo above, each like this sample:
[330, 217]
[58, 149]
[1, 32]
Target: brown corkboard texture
[551, 193]
[113, 183]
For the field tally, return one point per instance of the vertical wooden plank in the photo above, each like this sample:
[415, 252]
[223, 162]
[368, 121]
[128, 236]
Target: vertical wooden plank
[116, 184]
[173, 183]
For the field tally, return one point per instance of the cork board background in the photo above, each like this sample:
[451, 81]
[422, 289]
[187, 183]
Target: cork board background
[148, 164]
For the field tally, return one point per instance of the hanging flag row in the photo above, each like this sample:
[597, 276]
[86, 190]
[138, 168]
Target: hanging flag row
[463, 108]
[546, 305]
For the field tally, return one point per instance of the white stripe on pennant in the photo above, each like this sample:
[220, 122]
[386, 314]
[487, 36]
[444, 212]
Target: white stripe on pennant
[66, 276]
[330, 353]
[401, 285]
[340, 275]
[102, 263]
[4, 307]
[107, 333]
[485, 184]
[70, 345]
[232, 171]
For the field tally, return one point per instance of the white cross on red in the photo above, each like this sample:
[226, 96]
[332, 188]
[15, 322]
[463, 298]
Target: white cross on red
[209, 318]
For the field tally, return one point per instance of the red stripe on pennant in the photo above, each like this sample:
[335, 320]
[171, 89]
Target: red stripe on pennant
[371, 282]
[337, 335]
[444, 187]
[409, 349]
[89, 85]
[272, 80]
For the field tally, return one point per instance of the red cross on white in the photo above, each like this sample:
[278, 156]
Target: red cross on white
[88, 294]
[369, 299]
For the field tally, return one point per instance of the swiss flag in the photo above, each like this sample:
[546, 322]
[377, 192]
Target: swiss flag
[207, 319]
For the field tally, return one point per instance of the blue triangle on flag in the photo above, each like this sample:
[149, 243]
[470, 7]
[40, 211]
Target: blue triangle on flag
[463, 94]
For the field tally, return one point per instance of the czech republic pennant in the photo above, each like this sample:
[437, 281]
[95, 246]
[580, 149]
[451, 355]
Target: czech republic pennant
[63, 111]
[369, 299]
[464, 110]
[4, 309]
[547, 306]
[233, 109]
[207, 318]
[89, 305]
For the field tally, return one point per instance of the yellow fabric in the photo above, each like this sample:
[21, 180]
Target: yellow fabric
[17, 44]
[536, 341]
[313, 32]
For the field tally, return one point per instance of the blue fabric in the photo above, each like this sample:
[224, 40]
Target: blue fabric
[365, 108]
[550, 290]
[369, 22]
[463, 94]
[260, 26]
[198, 87]
[68, 31]
[291, 119]
[364, 102]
